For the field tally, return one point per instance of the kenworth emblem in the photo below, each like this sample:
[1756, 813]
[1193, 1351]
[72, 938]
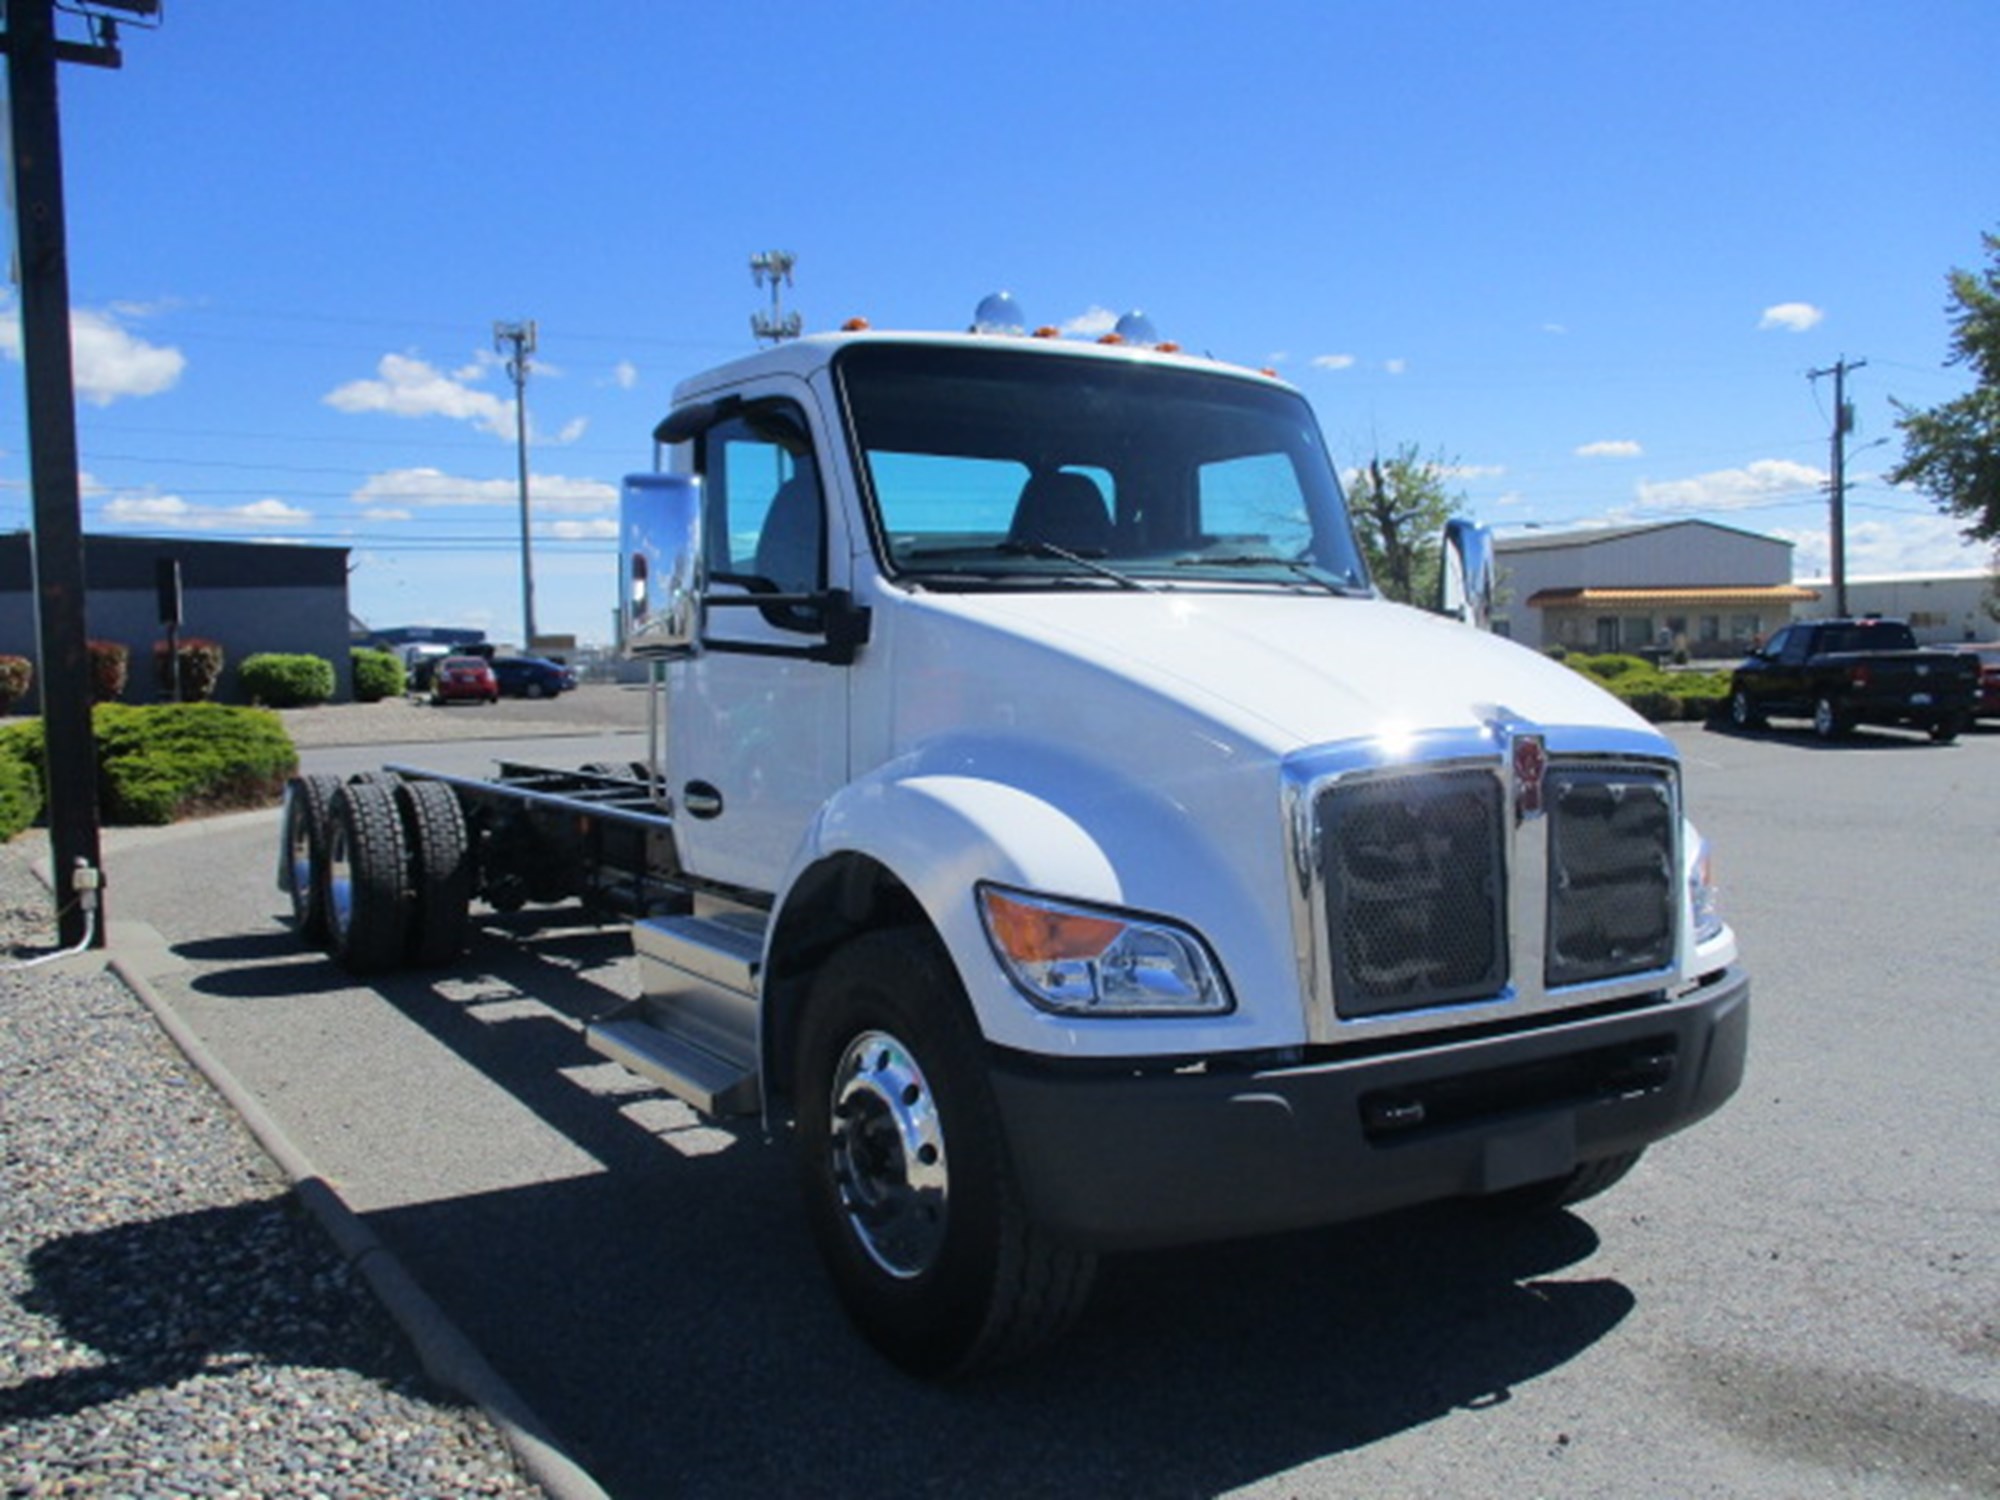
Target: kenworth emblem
[1531, 764]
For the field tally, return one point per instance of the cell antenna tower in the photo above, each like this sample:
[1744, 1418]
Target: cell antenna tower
[775, 268]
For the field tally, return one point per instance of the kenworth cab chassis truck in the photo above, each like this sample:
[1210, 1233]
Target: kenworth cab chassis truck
[1047, 825]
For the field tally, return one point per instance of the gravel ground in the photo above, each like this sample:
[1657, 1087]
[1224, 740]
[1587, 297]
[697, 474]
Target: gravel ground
[171, 1322]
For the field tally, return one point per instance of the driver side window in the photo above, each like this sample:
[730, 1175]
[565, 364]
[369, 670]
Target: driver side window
[766, 522]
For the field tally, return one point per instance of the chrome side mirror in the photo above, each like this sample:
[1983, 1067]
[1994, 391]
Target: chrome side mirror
[1465, 582]
[661, 567]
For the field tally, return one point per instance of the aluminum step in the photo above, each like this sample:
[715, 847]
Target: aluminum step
[695, 1031]
[714, 1085]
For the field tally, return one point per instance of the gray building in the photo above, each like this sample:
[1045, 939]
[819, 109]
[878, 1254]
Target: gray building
[1712, 590]
[247, 596]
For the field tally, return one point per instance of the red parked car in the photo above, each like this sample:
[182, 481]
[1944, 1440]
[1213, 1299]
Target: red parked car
[1986, 704]
[464, 679]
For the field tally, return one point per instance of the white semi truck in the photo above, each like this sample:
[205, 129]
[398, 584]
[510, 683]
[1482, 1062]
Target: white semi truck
[1047, 826]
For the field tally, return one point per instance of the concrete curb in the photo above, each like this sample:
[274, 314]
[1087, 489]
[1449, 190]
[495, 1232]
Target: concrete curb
[448, 1356]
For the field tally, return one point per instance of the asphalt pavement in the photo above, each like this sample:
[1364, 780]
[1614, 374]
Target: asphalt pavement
[1799, 1296]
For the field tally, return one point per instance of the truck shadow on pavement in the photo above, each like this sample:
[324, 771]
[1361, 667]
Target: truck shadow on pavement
[666, 1316]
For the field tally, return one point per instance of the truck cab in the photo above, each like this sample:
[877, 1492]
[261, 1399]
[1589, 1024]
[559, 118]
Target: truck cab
[1072, 850]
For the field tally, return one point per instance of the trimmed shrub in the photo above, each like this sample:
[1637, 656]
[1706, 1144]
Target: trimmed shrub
[17, 675]
[276, 680]
[1657, 695]
[175, 760]
[109, 667]
[201, 669]
[21, 794]
[377, 675]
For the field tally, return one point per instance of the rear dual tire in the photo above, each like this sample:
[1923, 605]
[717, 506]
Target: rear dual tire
[379, 870]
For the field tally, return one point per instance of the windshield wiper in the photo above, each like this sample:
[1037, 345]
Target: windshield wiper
[1035, 547]
[1302, 570]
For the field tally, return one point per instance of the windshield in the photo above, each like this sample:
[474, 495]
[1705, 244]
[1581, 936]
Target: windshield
[991, 466]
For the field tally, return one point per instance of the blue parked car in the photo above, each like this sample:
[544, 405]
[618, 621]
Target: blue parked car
[532, 676]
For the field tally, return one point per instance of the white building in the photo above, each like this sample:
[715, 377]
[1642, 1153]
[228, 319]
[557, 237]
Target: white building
[1713, 590]
[1941, 607]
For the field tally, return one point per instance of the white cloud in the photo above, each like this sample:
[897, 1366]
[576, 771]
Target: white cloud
[1758, 483]
[1610, 448]
[1555, 328]
[108, 361]
[147, 508]
[410, 387]
[1396, 366]
[1333, 362]
[572, 430]
[405, 489]
[582, 530]
[1462, 472]
[625, 375]
[1793, 317]
[388, 513]
[1911, 543]
[1095, 323]
[272, 512]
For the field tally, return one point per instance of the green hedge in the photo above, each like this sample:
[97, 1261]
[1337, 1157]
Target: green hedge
[20, 777]
[174, 760]
[377, 675]
[1652, 693]
[157, 763]
[281, 681]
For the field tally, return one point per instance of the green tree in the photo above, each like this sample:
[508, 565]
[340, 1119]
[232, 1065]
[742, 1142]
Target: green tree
[1952, 452]
[1399, 506]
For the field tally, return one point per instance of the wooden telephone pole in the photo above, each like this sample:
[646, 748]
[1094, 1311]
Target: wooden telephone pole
[42, 265]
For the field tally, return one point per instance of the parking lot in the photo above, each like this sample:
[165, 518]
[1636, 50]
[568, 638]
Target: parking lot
[1800, 1296]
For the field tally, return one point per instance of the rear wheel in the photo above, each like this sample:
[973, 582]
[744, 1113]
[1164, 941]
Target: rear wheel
[908, 1186]
[367, 879]
[440, 870]
[308, 804]
[1944, 731]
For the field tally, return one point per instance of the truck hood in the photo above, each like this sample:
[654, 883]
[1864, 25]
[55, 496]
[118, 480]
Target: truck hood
[1285, 670]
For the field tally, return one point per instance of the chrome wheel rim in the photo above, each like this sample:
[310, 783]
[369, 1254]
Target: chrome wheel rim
[339, 879]
[888, 1156]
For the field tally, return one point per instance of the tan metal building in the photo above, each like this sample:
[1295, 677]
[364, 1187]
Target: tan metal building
[1694, 586]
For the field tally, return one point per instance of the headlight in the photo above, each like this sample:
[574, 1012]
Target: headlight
[1097, 961]
[1704, 899]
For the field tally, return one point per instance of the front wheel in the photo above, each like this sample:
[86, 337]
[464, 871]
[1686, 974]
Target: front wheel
[1743, 712]
[1829, 723]
[908, 1187]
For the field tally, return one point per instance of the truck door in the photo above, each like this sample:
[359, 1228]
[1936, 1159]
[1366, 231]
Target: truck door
[757, 719]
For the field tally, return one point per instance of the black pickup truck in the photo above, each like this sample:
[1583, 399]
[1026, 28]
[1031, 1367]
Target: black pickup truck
[1840, 673]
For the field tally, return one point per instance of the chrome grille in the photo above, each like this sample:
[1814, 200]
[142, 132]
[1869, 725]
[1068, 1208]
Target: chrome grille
[1611, 874]
[1416, 889]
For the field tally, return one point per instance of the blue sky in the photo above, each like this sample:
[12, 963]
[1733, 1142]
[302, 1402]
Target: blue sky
[1587, 252]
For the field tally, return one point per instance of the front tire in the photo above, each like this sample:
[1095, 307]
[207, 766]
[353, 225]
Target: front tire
[908, 1187]
[1829, 723]
[1743, 713]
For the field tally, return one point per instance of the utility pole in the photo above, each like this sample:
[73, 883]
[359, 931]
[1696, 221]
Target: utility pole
[1843, 423]
[775, 267]
[522, 337]
[42, 263]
